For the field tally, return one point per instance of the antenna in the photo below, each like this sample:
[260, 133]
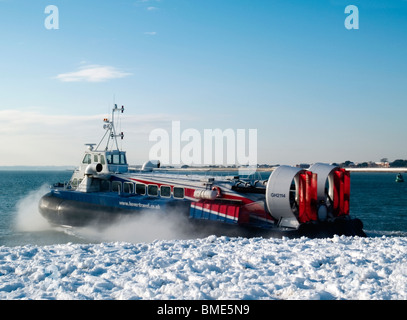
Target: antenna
[109, 126]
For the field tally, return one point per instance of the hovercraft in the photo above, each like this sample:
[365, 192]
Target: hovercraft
[292, 202]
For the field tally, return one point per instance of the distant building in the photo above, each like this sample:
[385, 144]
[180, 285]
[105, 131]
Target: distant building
[383, 164]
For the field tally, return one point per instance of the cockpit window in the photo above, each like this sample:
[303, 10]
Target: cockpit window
[87, 159]
[116, 158]
[123, 158]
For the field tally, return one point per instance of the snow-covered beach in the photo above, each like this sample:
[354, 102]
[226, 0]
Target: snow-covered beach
[211, 268]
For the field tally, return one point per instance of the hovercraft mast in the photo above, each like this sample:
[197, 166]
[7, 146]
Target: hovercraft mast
[110, 130]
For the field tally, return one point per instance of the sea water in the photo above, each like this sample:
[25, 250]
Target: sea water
[20, 221]
[376, 199]
[380, 202]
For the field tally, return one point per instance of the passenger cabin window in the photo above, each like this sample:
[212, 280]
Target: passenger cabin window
[178, 192]
[116, 186]
[128, 187]
[152, 190]
[165, 191]
[95, 158]
[104, 185]
[87, 159]
[140, 188]
[102, 159]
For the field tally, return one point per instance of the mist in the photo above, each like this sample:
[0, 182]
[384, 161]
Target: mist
[145, 226]
[28, 218]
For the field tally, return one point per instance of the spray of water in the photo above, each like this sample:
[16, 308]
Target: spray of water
[28, 218]
[143, 227]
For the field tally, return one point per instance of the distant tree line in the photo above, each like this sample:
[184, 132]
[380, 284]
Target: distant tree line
[399, 163]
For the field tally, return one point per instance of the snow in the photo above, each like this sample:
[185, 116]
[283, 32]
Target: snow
[350, 268]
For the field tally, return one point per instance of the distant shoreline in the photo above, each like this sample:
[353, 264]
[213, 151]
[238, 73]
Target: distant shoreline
[377, 169]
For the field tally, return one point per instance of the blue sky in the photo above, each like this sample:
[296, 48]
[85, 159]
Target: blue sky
[314, 90]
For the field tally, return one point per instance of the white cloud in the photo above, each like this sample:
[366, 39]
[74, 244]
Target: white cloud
[92, 73]
[151, 33]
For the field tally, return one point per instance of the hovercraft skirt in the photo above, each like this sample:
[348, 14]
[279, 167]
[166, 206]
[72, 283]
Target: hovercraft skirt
[60, 211]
